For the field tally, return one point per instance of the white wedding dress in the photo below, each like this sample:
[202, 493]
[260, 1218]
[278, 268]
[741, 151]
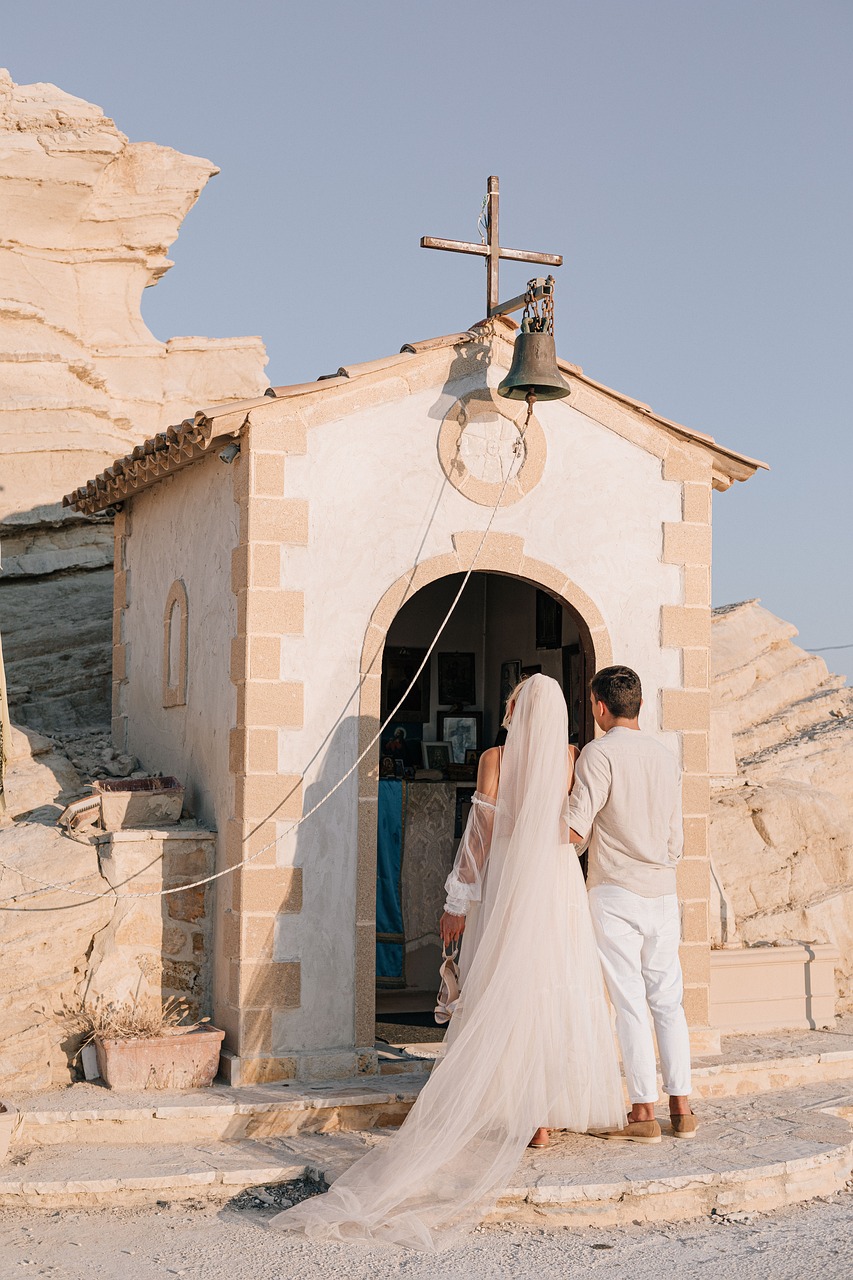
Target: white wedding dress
[530, 1043]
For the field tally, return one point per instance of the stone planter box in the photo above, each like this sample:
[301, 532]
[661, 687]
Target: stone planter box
[188, 1061]
[9, 1117]
[787, 988]
[139, 802]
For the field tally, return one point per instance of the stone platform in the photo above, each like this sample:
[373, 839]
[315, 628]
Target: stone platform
[752, 1153]
[774, 1114]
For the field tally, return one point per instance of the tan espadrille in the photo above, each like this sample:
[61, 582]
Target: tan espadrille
[684, 1126]
[646, 1131]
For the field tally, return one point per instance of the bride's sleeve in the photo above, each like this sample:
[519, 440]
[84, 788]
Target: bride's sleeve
[465, 882]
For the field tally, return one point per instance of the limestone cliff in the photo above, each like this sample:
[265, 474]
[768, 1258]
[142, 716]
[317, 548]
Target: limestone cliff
[86, 221]
[782, 820]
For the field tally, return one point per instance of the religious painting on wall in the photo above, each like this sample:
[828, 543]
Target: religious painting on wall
[436, 755]
[464, 732]
[399, 666]
[510, 676]
[402, 742]
[549, 621]
[456, 679]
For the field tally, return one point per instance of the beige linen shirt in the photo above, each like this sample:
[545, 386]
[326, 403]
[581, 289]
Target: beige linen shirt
[627, 799]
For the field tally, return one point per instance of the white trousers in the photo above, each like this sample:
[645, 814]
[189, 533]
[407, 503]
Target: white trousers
[638, 944]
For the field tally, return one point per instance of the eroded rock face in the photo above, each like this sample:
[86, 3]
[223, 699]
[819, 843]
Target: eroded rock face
[782, 826]
[88, 218]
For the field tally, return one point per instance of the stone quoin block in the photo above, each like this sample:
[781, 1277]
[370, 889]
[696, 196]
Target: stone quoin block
[697, 1005]
[274, 704]
[687, 464]
[121, 589]
[696, 503]
[267, 479]
[683, 627]
[686, 543]
[279, 520]
[501, 551]
[263, 660]
[694, 879]
[247, 839]
[271, 612]
[694, 752]
[228, 935]
[262, 797]
[697, 585]
[256, 1033]
[263, 1070]
[277, 428]
[270, 984]
[237, 750]
[261, 750]
[265, 565]
[696, 837]
[258, 937]
[695, 963]
[272, 890]
[685, 709]
[695, 668]
[694, 922]
[695, 793]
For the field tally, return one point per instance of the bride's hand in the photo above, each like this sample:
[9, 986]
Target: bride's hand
[451, 927]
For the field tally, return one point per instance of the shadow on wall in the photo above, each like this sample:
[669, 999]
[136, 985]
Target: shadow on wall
[316, 911]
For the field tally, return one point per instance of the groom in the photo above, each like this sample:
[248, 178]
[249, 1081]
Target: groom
[626, 802]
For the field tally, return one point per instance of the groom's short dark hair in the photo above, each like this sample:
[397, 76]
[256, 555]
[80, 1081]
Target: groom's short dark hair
[619, 689]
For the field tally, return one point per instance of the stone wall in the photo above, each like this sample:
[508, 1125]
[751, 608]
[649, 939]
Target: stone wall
[61, 948]
[781, 830]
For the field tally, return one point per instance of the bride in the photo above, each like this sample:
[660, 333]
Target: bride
[530, 1043]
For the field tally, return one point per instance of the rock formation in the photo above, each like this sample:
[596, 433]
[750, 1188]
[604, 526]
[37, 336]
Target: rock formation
[781, 829]
[87, 220]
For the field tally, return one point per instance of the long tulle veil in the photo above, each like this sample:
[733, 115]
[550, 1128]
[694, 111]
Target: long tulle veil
[531, 1043]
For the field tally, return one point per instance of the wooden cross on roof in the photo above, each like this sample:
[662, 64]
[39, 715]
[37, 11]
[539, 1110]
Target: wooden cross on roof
[491, 249]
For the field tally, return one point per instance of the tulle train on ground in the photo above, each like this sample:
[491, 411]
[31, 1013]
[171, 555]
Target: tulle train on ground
[531, 1043]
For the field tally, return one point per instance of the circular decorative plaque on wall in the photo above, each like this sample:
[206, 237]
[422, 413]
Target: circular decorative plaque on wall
[477, 448]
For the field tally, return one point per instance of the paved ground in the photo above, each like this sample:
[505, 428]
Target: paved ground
[803, 1243]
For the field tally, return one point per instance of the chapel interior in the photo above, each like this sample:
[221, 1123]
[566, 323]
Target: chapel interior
[502, 628]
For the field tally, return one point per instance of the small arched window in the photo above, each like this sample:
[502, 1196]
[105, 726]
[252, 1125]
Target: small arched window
[175, 618]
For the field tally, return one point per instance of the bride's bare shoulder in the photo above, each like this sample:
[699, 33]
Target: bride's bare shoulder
[574, 752]
[489, 771]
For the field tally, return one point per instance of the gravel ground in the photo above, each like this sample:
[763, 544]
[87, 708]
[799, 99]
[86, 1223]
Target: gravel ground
[231, 1243]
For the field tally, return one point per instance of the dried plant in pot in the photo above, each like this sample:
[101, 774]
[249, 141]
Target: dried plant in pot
[143, 1043]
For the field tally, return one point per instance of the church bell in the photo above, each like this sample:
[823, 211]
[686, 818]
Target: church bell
[534, 369]
[533, 374]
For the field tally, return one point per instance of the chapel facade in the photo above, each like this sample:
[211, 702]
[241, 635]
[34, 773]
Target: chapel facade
[281, 562]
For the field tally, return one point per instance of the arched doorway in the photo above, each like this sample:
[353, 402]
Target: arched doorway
[503, 627]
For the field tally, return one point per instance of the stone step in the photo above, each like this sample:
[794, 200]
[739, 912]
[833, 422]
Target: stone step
[750, 1154]
[91, 1115]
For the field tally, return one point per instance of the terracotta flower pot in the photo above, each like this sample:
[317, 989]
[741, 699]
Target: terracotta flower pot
[187, 1061]
[9, 1119]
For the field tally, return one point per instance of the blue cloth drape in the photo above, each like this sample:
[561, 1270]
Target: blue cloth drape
[390, 840]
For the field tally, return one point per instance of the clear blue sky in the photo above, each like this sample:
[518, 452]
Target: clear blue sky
[690, 158]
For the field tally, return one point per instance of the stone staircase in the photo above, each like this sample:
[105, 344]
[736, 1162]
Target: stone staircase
[775, 1118]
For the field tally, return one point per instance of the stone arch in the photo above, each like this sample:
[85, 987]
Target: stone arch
[176, 610]
[500, 553]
